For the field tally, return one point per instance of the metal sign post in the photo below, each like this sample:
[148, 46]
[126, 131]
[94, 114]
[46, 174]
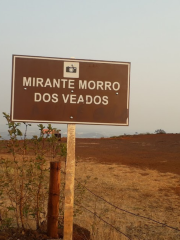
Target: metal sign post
[69, 183]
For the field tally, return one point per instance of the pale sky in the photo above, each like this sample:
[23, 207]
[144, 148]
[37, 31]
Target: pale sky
[145, 33]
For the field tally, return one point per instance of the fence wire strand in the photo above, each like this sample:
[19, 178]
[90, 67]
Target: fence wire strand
[116, 207]
[103, 220]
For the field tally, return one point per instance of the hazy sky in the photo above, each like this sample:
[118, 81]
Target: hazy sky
[145, 33]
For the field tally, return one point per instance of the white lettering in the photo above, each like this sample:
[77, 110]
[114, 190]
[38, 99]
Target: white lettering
[97, 100]
[105, 100]
[26, 82]
[64, 82]
[34, 82]
[82, 84]
[56, 83]
[80, 99]
[88, 99]
[39, 81]
[118, 86]
[100, 85]
[65, 98]
[48, 97]
[37, 97]
[72, 98]
[48, 83]
[107, 85]
[93, 85]
[54, 98]
[71, 83]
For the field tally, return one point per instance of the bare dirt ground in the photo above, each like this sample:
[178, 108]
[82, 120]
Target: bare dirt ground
[139, 174]
[160, 152]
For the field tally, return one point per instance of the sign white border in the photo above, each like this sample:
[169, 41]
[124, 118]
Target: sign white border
[72, 60]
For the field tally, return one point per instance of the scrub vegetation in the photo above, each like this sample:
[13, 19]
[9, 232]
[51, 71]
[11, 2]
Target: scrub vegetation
[113, 200]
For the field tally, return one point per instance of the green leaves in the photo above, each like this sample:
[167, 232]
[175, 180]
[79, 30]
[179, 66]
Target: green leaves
[25, 174]
[11, 208]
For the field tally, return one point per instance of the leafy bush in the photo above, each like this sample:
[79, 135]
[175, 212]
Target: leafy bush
[24, 175]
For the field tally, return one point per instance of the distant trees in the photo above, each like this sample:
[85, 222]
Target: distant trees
[160, 131]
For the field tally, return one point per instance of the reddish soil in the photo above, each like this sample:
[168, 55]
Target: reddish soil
[79, 233]
[158, 151]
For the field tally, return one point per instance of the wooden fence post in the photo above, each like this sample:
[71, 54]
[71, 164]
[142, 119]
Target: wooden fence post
[53, 202]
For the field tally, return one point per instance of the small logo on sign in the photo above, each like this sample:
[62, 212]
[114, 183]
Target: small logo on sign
[71, 69]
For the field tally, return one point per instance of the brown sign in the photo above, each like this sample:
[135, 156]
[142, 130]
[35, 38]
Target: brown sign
[61, 90]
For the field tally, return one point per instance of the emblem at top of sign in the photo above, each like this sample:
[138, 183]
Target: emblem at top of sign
[71, 70]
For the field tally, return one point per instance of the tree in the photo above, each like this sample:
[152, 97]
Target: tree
[160, 131]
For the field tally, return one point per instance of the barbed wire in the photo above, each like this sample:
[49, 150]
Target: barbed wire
[137, 215]
[116, 207]
[103, 220]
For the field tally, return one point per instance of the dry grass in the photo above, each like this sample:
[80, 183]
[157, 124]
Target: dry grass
[144, 192]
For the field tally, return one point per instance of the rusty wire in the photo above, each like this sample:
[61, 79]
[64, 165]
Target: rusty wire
[137, 215]
[103, 220]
